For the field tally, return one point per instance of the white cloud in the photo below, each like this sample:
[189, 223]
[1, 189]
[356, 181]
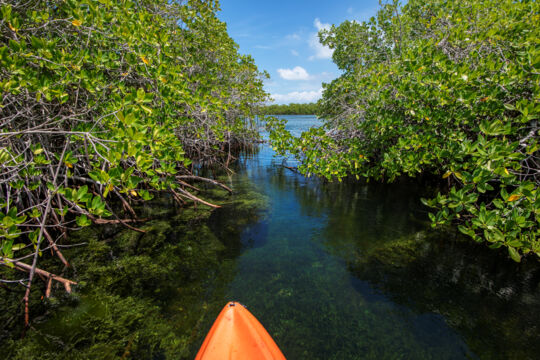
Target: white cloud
[321, 52]
[295, 53]
[297, 97]
[320, 26]
[298, 73]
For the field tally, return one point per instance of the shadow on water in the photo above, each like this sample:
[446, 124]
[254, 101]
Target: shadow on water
[452, 299]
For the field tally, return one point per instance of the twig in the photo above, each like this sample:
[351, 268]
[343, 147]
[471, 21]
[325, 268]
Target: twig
[217, 183]
[29, 268]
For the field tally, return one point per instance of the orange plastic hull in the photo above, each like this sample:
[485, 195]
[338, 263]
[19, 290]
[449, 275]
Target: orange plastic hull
[238, 335]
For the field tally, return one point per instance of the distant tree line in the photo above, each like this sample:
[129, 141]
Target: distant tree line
[290, 109]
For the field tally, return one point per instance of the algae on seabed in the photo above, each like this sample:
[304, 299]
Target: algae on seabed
[140, 296]
[480, 292]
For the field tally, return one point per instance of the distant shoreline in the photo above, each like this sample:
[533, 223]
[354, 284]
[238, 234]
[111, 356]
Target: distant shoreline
[290, 109]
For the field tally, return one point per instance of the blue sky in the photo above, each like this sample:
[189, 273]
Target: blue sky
[282, 38]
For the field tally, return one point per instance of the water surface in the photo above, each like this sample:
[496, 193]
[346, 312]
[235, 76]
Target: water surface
[353, 271]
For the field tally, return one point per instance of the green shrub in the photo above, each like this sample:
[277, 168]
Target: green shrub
[107, 101]
[447, 88]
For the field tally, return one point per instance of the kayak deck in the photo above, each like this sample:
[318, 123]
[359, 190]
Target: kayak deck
[237, 335]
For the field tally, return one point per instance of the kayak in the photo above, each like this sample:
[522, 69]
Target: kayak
[238, 335]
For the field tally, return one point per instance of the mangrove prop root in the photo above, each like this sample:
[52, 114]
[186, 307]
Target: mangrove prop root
[293, 169]
[188, 185]
[190, 196]
[57, 251]
[211, 181]
[121, 221]
[125, 204]
[178, 199]
[19, 265]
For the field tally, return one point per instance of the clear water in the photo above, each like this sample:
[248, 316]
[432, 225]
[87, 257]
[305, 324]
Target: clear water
[352, 271]
[333, 271]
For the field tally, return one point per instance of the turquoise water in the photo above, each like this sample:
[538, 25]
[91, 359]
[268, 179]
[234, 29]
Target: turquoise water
[353, 271]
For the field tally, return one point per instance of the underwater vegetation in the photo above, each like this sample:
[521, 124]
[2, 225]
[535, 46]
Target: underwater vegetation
[492, 303]
[141, 296]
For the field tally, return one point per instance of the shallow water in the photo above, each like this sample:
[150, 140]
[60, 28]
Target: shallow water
[337, 271]
[332, 270]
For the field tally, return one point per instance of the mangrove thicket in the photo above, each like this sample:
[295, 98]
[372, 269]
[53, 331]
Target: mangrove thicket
[104, 105]
[442, 89]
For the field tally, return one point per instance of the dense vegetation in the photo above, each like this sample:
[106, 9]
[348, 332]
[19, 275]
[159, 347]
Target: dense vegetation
[139, 296]
[105, 104]
[442, 88]
[290, 109]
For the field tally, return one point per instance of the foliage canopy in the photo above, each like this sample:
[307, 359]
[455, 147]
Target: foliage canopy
[447, 88]
[109, 102]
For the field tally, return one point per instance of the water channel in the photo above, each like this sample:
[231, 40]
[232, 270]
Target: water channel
[353, 271]
[333, 271]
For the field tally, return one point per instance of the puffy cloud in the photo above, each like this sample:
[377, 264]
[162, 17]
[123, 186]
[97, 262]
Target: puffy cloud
[320, 26]
[298, 73]
[321, 52]
[297, 97]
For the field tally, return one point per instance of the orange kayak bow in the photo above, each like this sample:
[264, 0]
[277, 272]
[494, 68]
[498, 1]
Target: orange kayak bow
[238, 335]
